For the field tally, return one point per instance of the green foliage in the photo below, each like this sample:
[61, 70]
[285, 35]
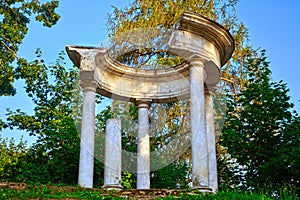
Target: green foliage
[98, 181]
[12, 157]
[54, 156]
[288, 156]
[171, 177]
[260, 132]
[15, 16]
[128, 180]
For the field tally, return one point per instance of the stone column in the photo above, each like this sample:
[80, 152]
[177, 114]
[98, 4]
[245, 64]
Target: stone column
[86, 162]
[200, 174]
[143, 152]
[211, 140]
[113, 155]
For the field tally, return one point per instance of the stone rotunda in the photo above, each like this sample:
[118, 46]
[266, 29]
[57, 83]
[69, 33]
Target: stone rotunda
[205, 46]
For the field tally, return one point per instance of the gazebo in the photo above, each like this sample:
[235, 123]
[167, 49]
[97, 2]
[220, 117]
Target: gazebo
[205, 46]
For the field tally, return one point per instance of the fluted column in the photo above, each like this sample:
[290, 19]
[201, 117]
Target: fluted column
[113, 155]
[211, 140]
[86, 162]
[200, 174]
[143, 152]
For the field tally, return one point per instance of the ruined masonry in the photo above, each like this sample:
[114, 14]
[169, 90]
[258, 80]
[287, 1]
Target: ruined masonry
[206, 46]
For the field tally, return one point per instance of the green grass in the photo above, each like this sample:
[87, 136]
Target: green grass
[45, 193]
[234, 195]
[48, 192]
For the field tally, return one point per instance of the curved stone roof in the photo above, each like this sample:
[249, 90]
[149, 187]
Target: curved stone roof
[210, 30]
[194, 36]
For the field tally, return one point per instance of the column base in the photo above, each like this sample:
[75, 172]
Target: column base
[203, 189]
[113, 187]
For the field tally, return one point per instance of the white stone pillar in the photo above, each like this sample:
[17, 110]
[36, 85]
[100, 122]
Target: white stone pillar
[86, 162]
[113, 155]
[143, 152]
[211, 140]
[200, 174]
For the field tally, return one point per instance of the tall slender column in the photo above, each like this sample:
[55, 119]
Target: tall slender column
[211, 140]
[143, 153]
[86, 162]
[113, 155]
[200, 174]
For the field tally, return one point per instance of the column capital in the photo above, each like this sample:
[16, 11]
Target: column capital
[87, 61]
[87, 80]
[142, 103]
[197, 61]
[88, 85]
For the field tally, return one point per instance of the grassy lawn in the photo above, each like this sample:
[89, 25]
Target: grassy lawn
[23, 191]
[67, 192]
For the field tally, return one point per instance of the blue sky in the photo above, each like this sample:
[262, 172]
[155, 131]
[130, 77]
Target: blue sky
[274, 26]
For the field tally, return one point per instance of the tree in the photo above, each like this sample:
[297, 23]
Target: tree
[285, 163]
[172, 176]
[164, 14]
[14, 20]
[55, 93]
[51, 90]
[12, 158]
[260, 131]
